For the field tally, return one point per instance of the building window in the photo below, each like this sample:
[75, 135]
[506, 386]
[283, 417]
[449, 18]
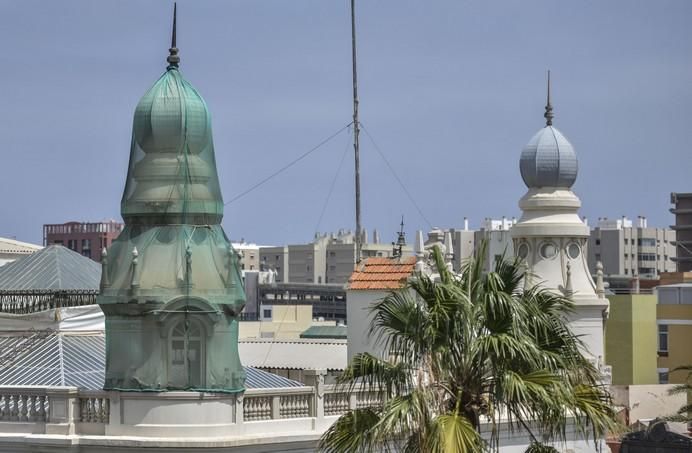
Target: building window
[573, 250]
[186, 355]
[646, 257]
[646, 242]
[662, 375]
[598, 241]
[548, 250]
[647, 271]
[59, 242]
[86, 244]
[626, 241]
[267, 313]
[663, 338]
[72, 244]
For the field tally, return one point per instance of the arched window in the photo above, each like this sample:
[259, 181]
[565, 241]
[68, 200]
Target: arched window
[186, 355]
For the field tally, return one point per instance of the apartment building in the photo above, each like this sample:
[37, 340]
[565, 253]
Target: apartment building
[249, 255]
[631, 249]
[674, 324]
[683, 230]
[275, 259]
[87, 238]
[498, 239]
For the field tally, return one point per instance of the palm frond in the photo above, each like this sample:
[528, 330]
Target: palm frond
[351, 433]
[454, 433]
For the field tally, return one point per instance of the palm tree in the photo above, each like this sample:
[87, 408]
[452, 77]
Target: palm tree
[684, 414]
[467, 351]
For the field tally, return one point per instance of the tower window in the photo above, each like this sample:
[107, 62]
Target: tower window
[186, 355]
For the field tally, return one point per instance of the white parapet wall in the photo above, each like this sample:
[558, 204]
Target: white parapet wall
[48, 419]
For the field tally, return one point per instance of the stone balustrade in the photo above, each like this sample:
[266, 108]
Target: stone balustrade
[70, 411]
[267, 420]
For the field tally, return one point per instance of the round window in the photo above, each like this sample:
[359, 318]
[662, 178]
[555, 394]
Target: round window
[573, 250]
[548, 250]
[523, 250]
[199, 235]
[165, 235]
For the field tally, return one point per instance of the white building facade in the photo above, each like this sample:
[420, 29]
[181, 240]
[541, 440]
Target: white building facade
[552, 238]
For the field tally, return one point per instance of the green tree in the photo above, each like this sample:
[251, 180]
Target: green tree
[684, 414]
[466, 350]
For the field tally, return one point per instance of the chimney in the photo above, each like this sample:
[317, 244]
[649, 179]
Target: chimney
[642, 222]
[376, 236]
[466, 224]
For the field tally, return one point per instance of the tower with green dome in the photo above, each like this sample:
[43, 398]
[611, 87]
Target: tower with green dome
[171, 289]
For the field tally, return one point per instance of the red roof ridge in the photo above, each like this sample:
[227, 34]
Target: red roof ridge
[382, 273]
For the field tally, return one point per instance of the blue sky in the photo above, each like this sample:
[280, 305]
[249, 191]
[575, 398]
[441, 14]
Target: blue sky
[450, 90]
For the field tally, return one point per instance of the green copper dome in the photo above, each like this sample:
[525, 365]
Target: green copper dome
[171, 288]
[172, 176]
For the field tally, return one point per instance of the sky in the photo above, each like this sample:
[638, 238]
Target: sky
[450, 92]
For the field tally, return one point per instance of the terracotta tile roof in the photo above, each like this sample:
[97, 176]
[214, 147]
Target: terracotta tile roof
[382, 273]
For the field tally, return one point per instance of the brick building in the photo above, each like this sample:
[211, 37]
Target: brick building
[87, 238]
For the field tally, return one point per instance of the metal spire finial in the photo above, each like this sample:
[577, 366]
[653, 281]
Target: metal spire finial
[173, 58]
[548, 115]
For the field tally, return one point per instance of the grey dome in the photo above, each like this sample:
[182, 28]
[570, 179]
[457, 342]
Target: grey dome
[548, 160]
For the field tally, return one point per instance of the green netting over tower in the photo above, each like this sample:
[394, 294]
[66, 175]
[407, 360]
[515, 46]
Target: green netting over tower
[171, 288]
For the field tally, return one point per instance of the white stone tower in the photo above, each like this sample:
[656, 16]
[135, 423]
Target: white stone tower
[552, 238]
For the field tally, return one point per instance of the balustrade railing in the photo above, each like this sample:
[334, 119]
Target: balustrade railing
[26, 405]
[94, 407]
[71, 406]
[257, 408]
[336, 402]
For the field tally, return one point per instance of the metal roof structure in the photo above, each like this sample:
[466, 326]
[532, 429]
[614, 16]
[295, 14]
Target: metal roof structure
[325, 332]
[57, 359]
[17, 247]
[298, 354]
[54, 268]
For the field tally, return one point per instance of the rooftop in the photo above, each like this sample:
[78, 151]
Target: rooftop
[302, 354]
[13, 246]
[55, 268]
[48, 358]
[382, 273]
[325, 332]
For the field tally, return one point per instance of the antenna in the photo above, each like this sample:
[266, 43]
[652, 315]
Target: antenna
[173, 58]
[548, 115]
[356, 132]
[398, 246]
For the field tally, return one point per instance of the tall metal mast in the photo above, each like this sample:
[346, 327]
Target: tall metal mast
[356, 133]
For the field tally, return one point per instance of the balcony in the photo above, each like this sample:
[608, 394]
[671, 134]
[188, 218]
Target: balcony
[142, 419]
